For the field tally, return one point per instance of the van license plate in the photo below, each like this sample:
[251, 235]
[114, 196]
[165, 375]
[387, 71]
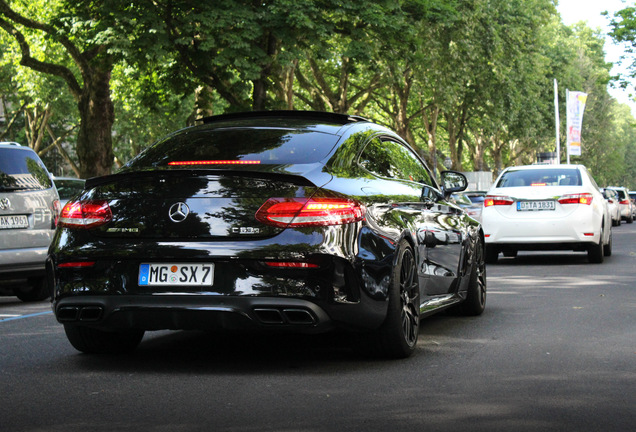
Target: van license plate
[12, 222]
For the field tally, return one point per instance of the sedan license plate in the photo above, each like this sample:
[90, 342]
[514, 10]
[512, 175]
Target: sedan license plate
[536, 205]
[176, 274]
[11, 222]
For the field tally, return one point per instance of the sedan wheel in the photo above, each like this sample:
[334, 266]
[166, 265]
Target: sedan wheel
[607, 248]
[595, 252]
[35, 290]
[397, 337]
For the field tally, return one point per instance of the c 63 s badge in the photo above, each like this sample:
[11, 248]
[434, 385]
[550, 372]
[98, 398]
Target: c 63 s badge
[122, 230]
[246, 230]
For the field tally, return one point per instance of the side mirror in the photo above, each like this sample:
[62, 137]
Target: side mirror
[453, 181]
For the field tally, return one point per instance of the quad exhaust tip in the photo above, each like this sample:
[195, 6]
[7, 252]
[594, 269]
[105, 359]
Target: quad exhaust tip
[272, 316]
[79, 313]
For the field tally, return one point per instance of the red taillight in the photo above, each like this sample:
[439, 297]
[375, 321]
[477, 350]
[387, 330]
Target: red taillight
[624, 202]
[496, 200]
[584, 198]
[215, 162]
[77, 264]
[85, 214]
[290, 264]
[57, 209]
[283, 212]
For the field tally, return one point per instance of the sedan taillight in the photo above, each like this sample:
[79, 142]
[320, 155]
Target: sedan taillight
[584, 198]
[284, 212]
[497, 200]
[85, 214]
[57, 209]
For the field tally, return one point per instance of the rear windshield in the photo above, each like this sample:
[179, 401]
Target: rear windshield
[228, 148]
[22, 169]
[540, 177]
[68, 188]
[622, 195]
[477, 199]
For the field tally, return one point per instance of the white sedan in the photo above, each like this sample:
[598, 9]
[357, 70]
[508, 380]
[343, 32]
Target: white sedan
[546, 207]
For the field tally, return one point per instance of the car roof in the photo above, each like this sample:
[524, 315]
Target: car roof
[545, 166]
[325, 122]
[14, 145]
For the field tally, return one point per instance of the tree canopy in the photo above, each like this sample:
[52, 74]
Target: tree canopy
[465, 81]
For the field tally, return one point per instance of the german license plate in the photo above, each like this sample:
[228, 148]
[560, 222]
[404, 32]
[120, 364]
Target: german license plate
[536, 205]
[179, 274]
[16, 221]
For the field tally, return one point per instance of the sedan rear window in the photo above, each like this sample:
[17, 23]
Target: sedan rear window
[22, 169]
[236, 146]
[540, 177]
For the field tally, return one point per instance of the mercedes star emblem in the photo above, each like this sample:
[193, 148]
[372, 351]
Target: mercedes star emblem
[179, 212]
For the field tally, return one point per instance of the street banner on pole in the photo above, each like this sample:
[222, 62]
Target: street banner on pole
[575, 107]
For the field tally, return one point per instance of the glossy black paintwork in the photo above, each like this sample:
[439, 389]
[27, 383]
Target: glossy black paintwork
[355, 260]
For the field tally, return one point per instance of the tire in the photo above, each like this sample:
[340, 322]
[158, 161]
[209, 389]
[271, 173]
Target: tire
[397, 337]
[492, 255]
[595, 252]
[36, 289]
[475, 302]
[607, 248]
[94, 341]
[630, 219]
[510, 254]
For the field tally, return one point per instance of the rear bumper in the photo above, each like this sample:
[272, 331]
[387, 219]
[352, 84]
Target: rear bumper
[188, 312]
[22, 263]
[579, 227]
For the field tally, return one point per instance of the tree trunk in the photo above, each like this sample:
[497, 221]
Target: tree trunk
[94, 140]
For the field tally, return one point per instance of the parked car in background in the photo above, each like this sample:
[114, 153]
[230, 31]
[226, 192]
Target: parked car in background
[68, 187]
[477, 197]
[29, 209]
[472, 209]
[273, 221]
[625, 203]
[546, 207]
[611, 196]
[632, 196]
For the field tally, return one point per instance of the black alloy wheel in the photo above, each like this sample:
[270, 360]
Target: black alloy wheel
[397, 337]
[409, 294]
[475, 302]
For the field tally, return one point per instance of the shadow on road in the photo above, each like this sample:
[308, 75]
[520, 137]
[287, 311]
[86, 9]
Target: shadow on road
[205, 352]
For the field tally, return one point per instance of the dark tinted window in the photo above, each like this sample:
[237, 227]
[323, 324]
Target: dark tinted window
[541, 177]
[622, 195]
[22, 169]
[264, 145]
[393, 160]
[68, 188]
[477, 199]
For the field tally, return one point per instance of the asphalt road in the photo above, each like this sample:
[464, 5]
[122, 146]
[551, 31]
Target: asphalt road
[555, 350]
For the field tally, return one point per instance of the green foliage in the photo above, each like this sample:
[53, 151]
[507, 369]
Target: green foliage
[469, 79]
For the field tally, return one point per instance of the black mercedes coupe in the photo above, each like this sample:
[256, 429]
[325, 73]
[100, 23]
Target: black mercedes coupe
[267, 221]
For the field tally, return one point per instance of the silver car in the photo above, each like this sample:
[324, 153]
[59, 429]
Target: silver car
[29, 209]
